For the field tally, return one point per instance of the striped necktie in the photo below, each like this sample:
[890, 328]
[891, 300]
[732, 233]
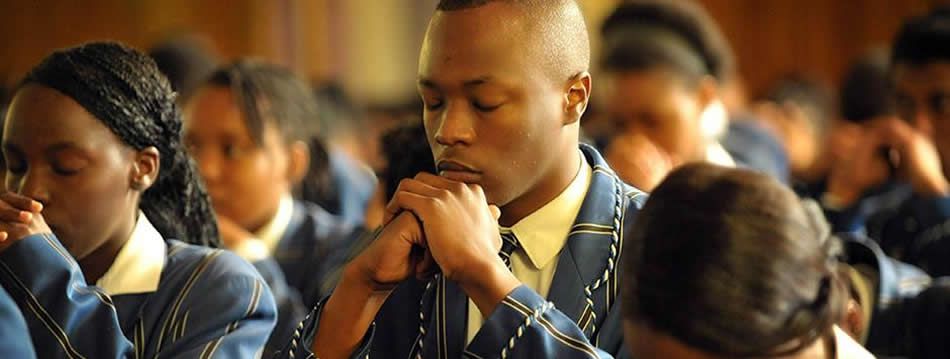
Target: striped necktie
[509, 243]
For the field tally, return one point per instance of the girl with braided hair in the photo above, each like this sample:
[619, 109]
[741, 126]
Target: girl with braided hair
[728, 263]
[107, 233]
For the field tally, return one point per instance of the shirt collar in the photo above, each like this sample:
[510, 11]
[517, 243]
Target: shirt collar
[273, 231]
[138, 267]
[543, 233]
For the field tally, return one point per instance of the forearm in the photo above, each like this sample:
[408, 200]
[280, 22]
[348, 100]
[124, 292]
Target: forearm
[348, 314]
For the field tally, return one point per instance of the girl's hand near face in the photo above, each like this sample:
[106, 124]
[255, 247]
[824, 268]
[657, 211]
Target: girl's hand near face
[20, 217]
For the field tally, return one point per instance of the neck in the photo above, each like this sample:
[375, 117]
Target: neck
[97, 263]
[549, 187]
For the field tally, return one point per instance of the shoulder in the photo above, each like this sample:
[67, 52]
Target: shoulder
[196, 263]
[312, 219]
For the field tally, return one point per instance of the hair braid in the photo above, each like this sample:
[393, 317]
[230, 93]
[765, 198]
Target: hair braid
[124, 89]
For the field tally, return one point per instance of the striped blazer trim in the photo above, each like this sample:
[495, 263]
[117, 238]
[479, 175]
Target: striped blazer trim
[184, 294]
[37, 309]
[550, 328]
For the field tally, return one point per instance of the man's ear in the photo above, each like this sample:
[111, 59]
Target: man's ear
[299, 161]
[145, 168]
[577, 97]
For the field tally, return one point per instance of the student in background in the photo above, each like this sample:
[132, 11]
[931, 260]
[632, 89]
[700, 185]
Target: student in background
[914, 147]
[349, 143]
[250, 128]
[107, 230]
[664, 63]
[864, 97]
[727, 263]
[407, 154]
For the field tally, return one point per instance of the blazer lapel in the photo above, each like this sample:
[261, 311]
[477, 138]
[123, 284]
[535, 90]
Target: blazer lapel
[587, 251]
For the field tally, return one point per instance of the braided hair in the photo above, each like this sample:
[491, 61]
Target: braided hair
[124, 89]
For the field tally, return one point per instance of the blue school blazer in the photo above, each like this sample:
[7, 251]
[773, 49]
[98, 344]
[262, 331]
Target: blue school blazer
[209, 304]
[580, 318]
[14, 336]
[300, 272]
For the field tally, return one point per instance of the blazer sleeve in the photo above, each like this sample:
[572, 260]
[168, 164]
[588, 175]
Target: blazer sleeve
[525, 325]
[290, 308]
[15, 339]
[231, 315]
[299, 345]
[67, 317]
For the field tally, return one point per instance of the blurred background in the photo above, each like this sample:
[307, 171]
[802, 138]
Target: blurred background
[370, 46]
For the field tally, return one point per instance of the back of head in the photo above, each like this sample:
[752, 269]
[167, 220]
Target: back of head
[407, 154]
[923, 40]
[729, 262]
[184, 61]
[124, 89]
[865, 89]
[678, 34]
[810, 95]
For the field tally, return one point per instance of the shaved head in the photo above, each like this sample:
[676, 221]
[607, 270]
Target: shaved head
[505, 84]
[553, 31]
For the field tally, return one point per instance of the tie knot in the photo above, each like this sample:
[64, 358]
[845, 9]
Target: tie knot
[509, 243]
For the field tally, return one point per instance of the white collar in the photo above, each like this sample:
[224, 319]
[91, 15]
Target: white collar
[138, 267]
[273, 231]
[543, 233]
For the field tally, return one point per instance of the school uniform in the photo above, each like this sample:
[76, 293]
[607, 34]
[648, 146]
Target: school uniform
[567, 307]
[885, 286]
[160, 297]
[867, 214]
[753, 147]
[14, 336]
[918, 232]
[296, 253]
[847, 348]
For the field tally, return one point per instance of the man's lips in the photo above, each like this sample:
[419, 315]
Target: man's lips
[458, 171]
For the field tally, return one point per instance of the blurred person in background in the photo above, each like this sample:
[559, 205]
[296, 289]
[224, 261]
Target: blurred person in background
[250, 127]
[186, 60]
[349, 142]
[664, 63]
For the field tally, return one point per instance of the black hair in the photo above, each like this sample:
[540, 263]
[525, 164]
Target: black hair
[923, 40]
[267, 93]
[124, 89]
[407, 153]
[866, 91]
[644, 34]
[271, 94]
[728, 261]
[810, 95]
[184, 61]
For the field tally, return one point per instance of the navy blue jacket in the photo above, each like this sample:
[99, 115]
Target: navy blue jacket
[580, 318]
